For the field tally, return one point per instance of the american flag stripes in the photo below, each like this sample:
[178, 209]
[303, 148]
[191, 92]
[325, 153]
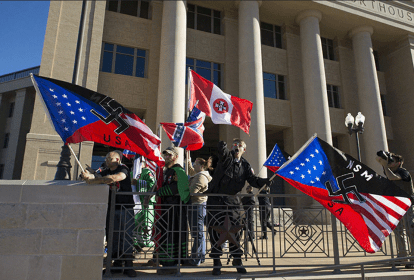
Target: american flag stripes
[370, 206]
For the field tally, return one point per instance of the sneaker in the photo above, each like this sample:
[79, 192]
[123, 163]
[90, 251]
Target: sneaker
[409, 266]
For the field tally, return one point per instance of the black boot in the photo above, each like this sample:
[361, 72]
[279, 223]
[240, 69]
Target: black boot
[217, 269]
[117, 263]
[241, 269]
[130, 272]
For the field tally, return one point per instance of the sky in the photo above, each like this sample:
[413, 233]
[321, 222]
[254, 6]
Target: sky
[22, 32]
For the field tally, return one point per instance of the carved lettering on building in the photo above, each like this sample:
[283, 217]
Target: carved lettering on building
[382, 8]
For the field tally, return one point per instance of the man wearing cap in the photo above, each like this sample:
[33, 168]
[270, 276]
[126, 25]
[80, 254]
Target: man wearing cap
[229, 178]
[172, 224]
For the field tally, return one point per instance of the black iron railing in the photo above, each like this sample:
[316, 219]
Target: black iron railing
[300, 233]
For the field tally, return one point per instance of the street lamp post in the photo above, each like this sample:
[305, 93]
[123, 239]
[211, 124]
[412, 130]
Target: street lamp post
[356, 126]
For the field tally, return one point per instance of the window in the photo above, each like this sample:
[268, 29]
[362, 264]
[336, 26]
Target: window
[327, 49]
[123, 60]
[203, 19]
[1, 170]
[6, 140]
[274, 86]
[135, 8]
[376, 60]
[11, 110]
[333, 96]
[271, 35]
[384, 105]
[208, 70]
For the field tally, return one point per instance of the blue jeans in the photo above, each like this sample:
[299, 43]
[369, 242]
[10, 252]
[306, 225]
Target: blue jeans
[197, 216]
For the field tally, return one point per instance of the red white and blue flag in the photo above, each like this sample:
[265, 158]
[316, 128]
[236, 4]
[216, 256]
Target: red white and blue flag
[369, 205]
[129, 154]
[79, 114]
[275, 159]
[188, 135]
[221, 107]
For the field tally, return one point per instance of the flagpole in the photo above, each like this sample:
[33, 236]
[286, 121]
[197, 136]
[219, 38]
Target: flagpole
[265, 185]
[76, 158]
[187, 113]
[64, 166]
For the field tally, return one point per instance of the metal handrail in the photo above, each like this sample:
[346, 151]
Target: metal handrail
[19, 74]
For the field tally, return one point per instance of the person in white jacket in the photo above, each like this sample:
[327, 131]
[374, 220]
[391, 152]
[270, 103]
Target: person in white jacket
[198, 183]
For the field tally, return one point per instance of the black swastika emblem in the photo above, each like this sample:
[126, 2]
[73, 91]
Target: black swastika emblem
[114, 114]
[344, 189]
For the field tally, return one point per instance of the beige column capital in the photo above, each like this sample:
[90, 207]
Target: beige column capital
[237, 3]
[308, 13]
[360, 29]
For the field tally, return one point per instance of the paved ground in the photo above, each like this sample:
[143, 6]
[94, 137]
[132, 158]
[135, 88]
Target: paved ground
[284, 265]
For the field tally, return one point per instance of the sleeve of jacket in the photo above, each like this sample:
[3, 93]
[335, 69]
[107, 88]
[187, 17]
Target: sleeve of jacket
[254, 180]
[191, 170]
[223, 152]
[198, 184]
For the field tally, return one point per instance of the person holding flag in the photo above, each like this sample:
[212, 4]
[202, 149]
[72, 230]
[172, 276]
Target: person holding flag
[116, 175]
[175, 195]
[198, 183]
[393, 170]
[229, 178]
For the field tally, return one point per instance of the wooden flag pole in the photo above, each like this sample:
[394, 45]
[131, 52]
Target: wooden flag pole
[76, 158]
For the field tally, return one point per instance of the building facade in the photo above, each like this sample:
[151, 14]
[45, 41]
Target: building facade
[303, 64]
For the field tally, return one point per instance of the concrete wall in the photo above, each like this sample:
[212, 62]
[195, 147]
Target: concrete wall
[51, 230]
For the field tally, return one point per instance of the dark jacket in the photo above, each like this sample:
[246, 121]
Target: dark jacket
[230, 176]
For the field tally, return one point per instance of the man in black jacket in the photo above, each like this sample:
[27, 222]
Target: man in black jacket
[229, 178]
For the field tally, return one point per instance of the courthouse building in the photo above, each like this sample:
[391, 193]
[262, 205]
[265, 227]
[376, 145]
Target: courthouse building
[303, 64]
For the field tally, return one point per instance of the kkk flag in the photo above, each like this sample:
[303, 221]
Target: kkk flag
[275, 159]
[221, 107]
[129, 154]
[79, 114]
[370, 206]
[188, 135]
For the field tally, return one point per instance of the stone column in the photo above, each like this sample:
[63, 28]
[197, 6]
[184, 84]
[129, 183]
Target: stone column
[374, 137]
[171, 82]
[251, 82]
[14, 134]
[314, 80]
